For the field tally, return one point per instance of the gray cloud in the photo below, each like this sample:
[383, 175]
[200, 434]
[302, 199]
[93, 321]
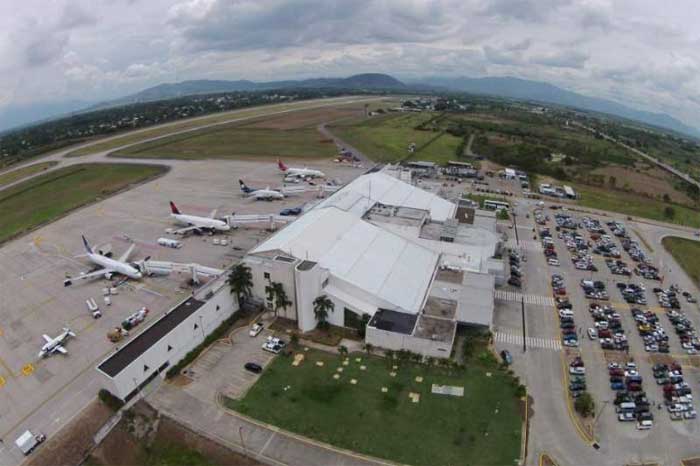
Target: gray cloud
[561, 59]
[629, 50]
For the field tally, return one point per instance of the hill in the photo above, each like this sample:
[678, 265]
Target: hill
[524, 89]
[201, 86]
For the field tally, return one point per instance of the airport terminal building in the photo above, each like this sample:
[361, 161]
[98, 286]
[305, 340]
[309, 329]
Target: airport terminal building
[413, 263]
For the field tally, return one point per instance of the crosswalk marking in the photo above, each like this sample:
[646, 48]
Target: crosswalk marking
[532, 342]
[536, 300]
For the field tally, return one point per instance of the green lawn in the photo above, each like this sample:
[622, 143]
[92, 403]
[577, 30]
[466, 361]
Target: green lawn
[687, 253]
[481, 428]
[386, 138]
[47, 197]
[18, 174]
[235, 142]
[636, 205]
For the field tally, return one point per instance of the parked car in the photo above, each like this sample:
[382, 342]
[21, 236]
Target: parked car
[507, 357]
[255, 330]
[253, 367]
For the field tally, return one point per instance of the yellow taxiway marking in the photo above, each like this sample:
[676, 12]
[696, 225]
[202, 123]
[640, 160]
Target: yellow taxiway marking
[27, 369]
[2, 381]
[37, 240]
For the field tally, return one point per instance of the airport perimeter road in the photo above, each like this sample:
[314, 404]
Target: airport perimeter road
[101, 156]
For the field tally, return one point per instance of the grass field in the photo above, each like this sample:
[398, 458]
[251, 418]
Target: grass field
[686, 252]
[15, 175]
[134, 137]
[386, 138]
[483, 427]
[233, 141]
[47, 197]
[635, 205]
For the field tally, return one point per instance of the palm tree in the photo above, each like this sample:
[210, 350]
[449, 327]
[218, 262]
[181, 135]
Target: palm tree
[241, 281]
[343, 350]
[277, 296]
[322, 308]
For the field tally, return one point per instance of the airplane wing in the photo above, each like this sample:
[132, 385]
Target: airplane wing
[47, 338]
[88, 276]
[213, 213]
[60, 349]
[125, 257]
[186, 229]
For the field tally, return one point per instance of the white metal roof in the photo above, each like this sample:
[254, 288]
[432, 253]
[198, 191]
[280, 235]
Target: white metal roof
[393, 268]
[359, 195]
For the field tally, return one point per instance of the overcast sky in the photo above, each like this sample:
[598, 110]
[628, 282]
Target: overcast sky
[640, 52]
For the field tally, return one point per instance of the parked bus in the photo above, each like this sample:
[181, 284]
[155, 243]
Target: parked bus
[495, 205]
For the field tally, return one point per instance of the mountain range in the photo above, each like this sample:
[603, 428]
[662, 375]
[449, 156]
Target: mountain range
[509, 87]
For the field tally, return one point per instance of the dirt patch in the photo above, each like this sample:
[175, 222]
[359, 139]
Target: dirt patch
[170, 432]
[615, 356]
[143, 437]
[180, 380]
[308, 118]
[691, 462]
[72, 443]
[653, 182]
[661, 359]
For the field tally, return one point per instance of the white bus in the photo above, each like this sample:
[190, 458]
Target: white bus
[495, 205]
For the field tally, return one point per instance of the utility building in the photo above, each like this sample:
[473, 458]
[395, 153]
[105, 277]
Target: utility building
[167, 340]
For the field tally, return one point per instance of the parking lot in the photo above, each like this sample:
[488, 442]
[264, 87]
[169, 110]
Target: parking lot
[585, 270]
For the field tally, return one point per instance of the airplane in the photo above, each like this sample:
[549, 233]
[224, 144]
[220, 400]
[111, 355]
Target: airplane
[108, 265]
[197, 224]
[245, 189]
[300, 172]
[55, 345]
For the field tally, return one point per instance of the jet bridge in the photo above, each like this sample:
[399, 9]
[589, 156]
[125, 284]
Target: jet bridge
[271, 220]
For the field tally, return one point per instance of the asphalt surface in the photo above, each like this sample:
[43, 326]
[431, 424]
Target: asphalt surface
[45, 395]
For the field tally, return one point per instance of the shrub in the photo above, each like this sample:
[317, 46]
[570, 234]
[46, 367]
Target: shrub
[111, 401]
[584, 404]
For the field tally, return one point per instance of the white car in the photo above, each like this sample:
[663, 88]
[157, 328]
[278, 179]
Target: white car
[553, 262]
[577, 370]
[255, 330]
[592, 333]
[644, 425]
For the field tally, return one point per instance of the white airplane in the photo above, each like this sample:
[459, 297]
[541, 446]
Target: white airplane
[108, 266]
[197, 224]
[55, 345]
[260, 194]
[299, 172]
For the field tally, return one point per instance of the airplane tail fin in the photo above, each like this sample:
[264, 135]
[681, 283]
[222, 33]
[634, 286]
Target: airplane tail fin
[87, 245]
[281, 165]
[244, 188]
[174, 208]
[69, 331]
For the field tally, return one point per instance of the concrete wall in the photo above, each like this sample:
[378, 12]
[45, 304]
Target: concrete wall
[280, 272]
[398, 341]
[308, 288]
[182, 339]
